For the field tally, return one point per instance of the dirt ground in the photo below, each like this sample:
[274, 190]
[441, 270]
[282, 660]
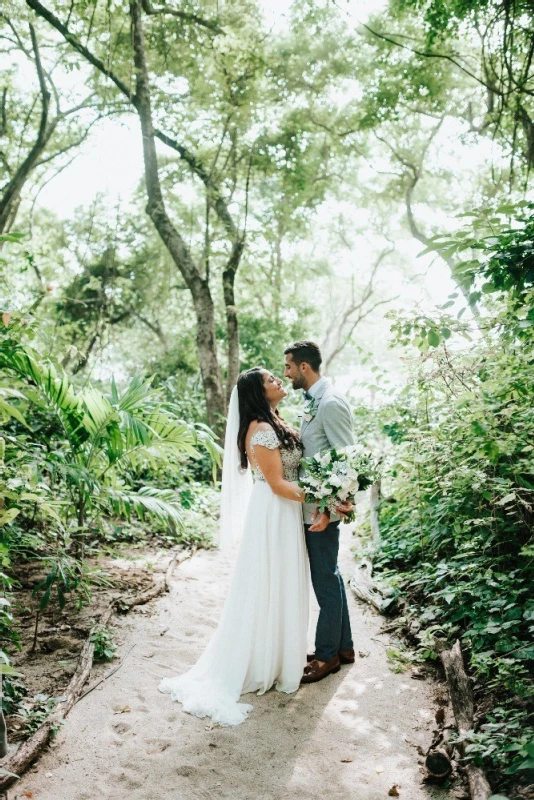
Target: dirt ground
[353, 735]
[61, 634]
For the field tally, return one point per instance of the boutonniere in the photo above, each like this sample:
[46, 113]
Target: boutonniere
[310, 409]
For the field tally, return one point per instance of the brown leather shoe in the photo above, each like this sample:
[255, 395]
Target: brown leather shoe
[314, 672]
[345, 657]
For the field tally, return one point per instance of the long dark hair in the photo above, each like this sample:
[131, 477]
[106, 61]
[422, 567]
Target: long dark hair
[253, 405]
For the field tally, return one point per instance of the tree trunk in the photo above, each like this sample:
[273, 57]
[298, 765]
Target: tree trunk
[232, 325]
[374, 500]
[207, 357]
[198, 286]
[528, 129]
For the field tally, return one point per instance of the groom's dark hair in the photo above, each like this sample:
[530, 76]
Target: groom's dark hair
[305, 351]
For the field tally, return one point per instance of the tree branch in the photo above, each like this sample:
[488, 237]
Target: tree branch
[424, 53]
[184, 15]
[194, 163]
[3, 117]
[73, 40]
[16, 183]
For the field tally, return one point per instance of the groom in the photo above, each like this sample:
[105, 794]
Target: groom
[327, 423]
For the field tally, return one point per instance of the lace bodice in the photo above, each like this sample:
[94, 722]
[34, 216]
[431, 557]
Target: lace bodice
[290, 457]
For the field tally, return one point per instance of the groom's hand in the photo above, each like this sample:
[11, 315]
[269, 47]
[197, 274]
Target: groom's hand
[344, 508]
[320, 521]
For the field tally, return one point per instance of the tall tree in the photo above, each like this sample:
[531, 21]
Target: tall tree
[40, 128]
[142, 96]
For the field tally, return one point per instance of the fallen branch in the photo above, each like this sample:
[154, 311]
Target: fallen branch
[34, 746]
[124, 605]
[161, 584]
[107, 675]
[363, 585]
[178, 558]
[463, 708]
[438, 758]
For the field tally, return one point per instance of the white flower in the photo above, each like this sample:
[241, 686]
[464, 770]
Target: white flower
[323, 492]
[326, 459]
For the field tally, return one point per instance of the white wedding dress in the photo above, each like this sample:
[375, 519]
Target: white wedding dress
[262, 635]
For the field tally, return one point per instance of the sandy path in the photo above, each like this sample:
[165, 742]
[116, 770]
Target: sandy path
[352, 735]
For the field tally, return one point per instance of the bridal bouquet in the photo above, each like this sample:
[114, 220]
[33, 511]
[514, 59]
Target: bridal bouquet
[335, 476]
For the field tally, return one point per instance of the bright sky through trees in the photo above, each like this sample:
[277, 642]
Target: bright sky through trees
[109, 165]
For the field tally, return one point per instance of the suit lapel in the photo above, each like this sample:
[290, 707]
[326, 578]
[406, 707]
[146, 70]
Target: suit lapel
[304, 424]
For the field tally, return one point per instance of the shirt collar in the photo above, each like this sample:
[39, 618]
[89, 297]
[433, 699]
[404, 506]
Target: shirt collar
[317, 386]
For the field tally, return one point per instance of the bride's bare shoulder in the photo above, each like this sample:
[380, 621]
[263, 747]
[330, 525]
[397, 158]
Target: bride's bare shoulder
[256, 425]
[262, 426]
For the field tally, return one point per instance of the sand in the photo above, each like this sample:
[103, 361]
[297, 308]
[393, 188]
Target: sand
[352, 735]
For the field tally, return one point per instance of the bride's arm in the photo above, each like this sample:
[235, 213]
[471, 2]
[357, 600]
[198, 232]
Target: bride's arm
[269, 461]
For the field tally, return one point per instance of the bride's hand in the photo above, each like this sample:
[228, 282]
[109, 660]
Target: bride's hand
[320, 521]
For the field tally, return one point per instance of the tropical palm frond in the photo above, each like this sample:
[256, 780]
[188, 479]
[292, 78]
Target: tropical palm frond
[114, 442]
[99, 413]
[206, 438]
[58, 390]
[7, 391]
[135, 430]
[136, 396]
[160, 504]
[174, 432]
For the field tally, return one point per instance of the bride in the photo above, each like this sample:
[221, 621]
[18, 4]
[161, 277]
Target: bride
[261, 638]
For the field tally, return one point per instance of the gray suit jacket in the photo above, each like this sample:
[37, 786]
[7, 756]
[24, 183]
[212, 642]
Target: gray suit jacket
[331, 427]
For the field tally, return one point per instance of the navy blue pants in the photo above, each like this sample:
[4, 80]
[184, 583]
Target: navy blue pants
[333, 627]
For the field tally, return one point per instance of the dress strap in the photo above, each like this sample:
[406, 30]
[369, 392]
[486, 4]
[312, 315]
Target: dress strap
[266, 438]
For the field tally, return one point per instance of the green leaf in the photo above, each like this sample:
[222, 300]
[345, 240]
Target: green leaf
[8, 516]
[509, 498]
[11, 411]
[433, 338]
[6, 669]
[99, 412]
[527, 764]
[45, 600]
[7, 772]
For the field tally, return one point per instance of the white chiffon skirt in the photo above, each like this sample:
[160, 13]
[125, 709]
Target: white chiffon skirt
[261, 638]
